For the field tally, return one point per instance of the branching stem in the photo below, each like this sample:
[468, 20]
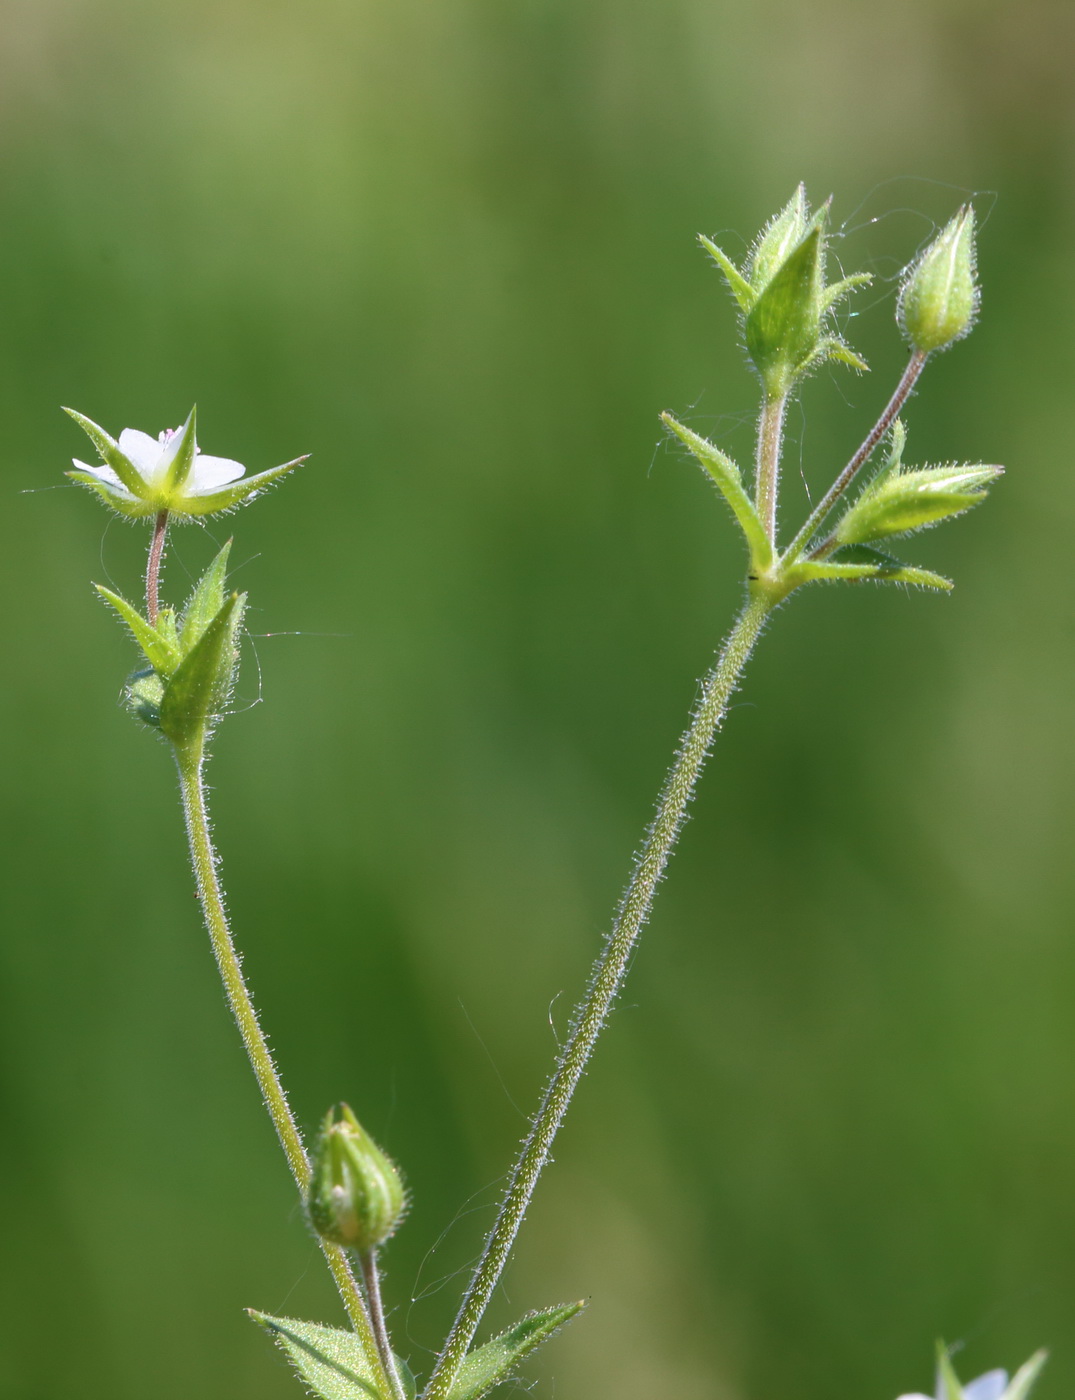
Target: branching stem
[606, 981]
[816, 518]
[190, 762]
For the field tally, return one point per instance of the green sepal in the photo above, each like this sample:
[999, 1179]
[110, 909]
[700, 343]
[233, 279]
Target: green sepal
[833, 348]
[206, 600]
[110, 453]
[844, 288]
[725, 474]
[857, 563]
[494, 1362]
[198, 690]
[231, 496]
[143, 692]
[948, 1383]
[783, 326]
[330, 1361]
[161, 652]
[903, 501]
[1021, 1383]
[184, 455]
[777, 239]
[740, 288]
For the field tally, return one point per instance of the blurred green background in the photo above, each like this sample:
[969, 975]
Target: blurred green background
[447, 247]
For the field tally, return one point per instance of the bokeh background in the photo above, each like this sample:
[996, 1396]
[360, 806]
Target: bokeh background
[447, 247]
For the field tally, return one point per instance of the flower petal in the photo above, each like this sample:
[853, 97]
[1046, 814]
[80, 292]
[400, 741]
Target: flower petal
[103, 472]
[991, 1386]
[145, 452]
[211, 473]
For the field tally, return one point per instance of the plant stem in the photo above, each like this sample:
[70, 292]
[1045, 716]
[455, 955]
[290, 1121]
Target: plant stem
[909, 378]
[371, 1277]
[767, 475]
[606, 980]
[190, 761]
[153, 568]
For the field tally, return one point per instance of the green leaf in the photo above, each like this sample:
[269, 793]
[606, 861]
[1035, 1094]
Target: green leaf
[184, 455]
[238, 492]
[857, 563]
[161, 654]
[206, 600]
[1021, 1383]
[200, 686]
[494, 1362]
[741, 289]
[725, 474]
[330, 1361]
[110, 453]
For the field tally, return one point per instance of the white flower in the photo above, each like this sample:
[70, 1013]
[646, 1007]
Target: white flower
[993, 1385]
[153, 457]
[144, 476]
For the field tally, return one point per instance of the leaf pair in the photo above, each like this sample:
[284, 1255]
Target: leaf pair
[192, 658]
[333, 1365]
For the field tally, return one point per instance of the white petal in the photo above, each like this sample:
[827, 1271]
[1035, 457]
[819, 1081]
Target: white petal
[991, 1386]
[104, 473]
[144, 452]
[168, 449]
[211, 473]
[915, 1397]
[108, 476]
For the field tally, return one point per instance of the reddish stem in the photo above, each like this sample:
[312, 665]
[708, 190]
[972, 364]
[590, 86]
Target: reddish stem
[153, 568]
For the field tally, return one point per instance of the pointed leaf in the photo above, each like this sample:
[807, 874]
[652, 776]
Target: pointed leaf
[741, 289]
[857, 563]
[160, 653]
[240, 491]
[723, 471]
[110, 453]
[494, 1362]
[1025, 1377]
[184, 455]
[200, 686]
[330, 1361]
[206, 600]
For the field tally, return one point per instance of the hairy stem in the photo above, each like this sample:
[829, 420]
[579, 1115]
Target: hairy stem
[902, 393]
[190, 762]
[371, 1278]
[153, 568]
[606, 980]
[767, 477]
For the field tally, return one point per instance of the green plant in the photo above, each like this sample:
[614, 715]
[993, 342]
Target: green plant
[353, 1192]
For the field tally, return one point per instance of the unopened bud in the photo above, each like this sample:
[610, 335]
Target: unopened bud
[939, 297]
[355, 1197]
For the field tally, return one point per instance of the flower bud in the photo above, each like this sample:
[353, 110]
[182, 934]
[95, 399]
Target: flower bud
[355, 1197]
[939, 296]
